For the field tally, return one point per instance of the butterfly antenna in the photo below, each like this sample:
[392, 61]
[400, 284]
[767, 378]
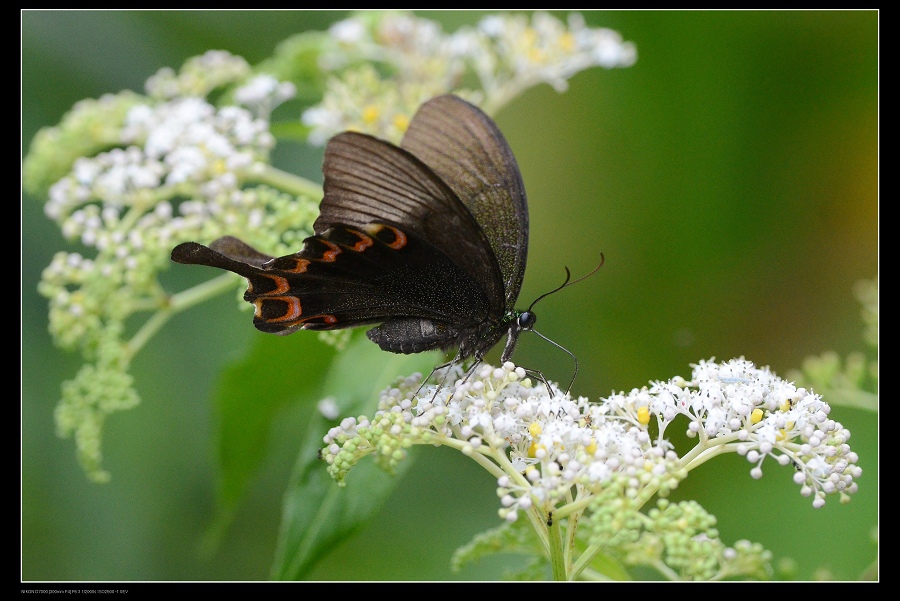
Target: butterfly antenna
[567, 283]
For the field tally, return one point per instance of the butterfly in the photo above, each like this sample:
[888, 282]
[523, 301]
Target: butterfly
[427, 239]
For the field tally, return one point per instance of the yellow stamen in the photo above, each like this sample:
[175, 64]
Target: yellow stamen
[643, 415]
[370, 114]
[536, 55]
[534, 448]
[401, 121]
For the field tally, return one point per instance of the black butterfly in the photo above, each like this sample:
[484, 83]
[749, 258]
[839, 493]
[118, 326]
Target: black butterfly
[428, 239]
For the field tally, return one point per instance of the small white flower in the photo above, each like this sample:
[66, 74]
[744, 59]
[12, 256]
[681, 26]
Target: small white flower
[328, 408]
[348, 31]
[493, 26]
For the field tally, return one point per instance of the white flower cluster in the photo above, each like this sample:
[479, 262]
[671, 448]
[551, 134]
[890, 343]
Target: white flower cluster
[542, 50]
[184, 142]
[264, 93]
[198, 76]
[177, 170]
[759, 415]
[506, 54]
[542, 447]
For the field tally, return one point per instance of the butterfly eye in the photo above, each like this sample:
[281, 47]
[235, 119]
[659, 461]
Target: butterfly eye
[527, 319]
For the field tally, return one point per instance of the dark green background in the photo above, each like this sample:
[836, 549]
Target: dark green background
[730, 177]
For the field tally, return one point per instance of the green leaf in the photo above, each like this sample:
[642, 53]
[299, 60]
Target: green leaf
[318, 514]
[610, 567]
[515, 537]
[278, 370]
[289, 130]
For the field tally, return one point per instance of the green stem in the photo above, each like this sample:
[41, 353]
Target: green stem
[584, 560]
[590, 574]
[557, 555]
[201, 292]
[665, 570]
[482, 459]
[576, 506]
[571, 531]
[288, 182]
[857, 399]
[177, 302]
[698, 456]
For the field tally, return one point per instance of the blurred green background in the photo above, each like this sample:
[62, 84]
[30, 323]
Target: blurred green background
[730, 177]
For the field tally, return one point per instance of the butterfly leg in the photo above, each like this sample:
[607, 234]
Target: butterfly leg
[449, 365]
[536, 373]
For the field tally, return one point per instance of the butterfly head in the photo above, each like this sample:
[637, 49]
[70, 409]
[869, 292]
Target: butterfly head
[526, 320]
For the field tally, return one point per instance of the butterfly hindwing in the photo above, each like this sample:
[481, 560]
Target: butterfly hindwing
[349, 276]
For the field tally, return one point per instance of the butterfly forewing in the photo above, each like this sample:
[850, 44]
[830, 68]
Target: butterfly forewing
[464, 147]
[369, 180]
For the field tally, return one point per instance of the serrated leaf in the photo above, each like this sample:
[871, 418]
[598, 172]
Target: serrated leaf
[318, 514]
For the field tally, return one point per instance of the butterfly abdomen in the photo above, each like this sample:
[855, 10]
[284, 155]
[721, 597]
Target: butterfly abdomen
[413, 335]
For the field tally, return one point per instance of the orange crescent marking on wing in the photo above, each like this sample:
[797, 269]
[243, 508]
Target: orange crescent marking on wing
[400, 241]
[325, 317]
[399, 237]
[300, 266]
[294, 309]
[330, 256]
[281, 284]
[364, 241]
